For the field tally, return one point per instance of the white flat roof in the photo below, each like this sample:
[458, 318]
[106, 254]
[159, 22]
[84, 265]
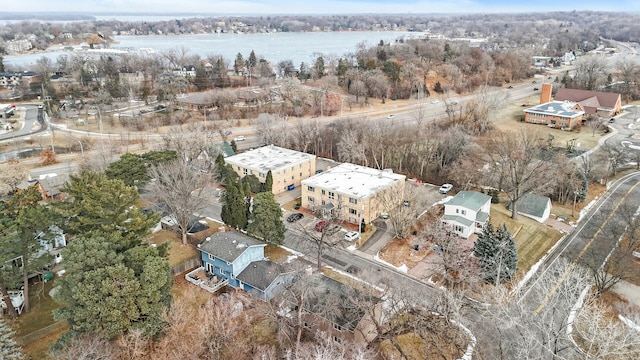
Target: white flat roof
[268, 157]
[557, 108]
[354, 180]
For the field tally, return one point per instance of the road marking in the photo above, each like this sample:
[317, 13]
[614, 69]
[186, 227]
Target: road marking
[575, 262]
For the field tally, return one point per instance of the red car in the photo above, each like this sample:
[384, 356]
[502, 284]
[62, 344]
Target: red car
[321, 225]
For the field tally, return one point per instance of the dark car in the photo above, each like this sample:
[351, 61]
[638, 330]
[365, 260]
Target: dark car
[294, 217]
[510, 87]
[612, 120]
[535, 89]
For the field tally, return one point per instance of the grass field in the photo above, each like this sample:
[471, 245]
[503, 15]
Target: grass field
[533, 239]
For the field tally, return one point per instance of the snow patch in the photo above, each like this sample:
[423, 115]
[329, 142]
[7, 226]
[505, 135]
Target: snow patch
[403, 268]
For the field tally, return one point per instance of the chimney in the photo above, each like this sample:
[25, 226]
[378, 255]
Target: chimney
[545, 94]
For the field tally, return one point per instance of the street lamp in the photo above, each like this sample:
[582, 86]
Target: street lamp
[81, 149]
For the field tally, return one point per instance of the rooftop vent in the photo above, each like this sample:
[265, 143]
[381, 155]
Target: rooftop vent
[241, 245]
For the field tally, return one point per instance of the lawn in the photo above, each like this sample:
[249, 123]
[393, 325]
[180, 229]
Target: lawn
[276, 253]
[178, 253]
[533, 239]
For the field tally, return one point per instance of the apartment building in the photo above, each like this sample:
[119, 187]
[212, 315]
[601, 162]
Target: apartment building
[353, 193]
[288, 167]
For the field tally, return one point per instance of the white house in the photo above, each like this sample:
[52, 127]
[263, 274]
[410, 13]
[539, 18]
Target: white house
[467, 212]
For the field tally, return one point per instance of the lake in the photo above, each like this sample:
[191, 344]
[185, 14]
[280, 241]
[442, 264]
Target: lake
[275, 47]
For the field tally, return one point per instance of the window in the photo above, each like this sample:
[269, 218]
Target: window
[323, 192]
[262, 175]
[292, 177]
[211, 257]
[307, 325]
[463, 212]
[300, 174]
[352, 220]
[458, 228]
[353, 211]
[245, 172]
[331, 195]
[337, 339]
[337, 327]
[310, 188]
[353, 201]
[310, 198]
[323, 203]
[457, 211]
[222, 272]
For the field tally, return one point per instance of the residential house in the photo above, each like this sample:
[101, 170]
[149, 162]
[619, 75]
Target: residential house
[288, 167]
[188, 70]
[535, 206]
[467, 212]
[352, 315]
[51, 187]
[240, 260]
[600, 103]
[353, 193]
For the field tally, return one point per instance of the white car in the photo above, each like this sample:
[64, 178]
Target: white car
[390, 116]
[445, 188]
[352, 235]
[238, 138]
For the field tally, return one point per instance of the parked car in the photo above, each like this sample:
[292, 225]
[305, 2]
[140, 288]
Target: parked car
[406, 203]
[445, 188]
[384, 216]
[294, 217]
[391, 116]
[510, 87]
[321, 225]
[535, 89]
[352, 235]
[332, 229]
[238, 138]
[612, 120]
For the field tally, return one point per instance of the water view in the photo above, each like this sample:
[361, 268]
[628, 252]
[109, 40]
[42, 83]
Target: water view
[298, 47]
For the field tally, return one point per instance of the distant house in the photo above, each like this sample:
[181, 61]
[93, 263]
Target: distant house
[349, 321]
[467, 212]
[188, 70]
[535, 206]
[240, 260]
[592, 102]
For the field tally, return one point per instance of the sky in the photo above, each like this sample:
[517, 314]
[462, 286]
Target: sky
[253, 7]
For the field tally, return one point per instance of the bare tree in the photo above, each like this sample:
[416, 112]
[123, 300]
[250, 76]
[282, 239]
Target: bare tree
[590, 71]
[181, 189]
[532, 323]
[87, 347]
[595, 123]
[518, 167]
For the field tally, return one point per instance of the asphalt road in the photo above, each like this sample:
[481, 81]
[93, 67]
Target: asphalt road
[32, 116]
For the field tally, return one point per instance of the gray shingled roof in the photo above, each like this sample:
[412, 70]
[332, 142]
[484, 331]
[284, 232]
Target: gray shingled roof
[471, 200]
[52, 185]
[228, 246]
[260, 274]
[532, 204]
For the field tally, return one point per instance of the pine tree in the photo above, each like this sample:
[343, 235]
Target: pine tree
[9, 349]
[266, 219]
[253, 60]
[235, 207]
[496, 253]
[268, 183]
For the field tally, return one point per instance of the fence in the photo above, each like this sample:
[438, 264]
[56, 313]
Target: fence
[40, 333]
[186, 265]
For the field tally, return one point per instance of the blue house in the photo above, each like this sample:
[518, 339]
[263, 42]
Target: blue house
[240, 260]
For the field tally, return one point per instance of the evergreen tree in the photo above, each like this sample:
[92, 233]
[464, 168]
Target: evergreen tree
[496, 253]
[266, 219]
[253, 60]
[111, 291]
[268, 182]
[234, 208]
[102, 205]
[318, 68]
[238, 64]
[9, 349]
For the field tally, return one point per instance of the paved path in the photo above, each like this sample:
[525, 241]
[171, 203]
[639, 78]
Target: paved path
[628, 291]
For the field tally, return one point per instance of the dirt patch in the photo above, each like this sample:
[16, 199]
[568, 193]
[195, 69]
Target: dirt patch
[402, 252]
